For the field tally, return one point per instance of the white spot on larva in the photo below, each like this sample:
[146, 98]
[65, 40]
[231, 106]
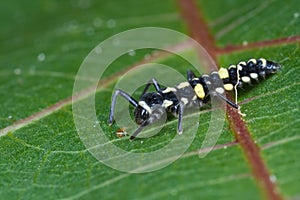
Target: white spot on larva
[183, 85]
[242, 63]
[252, 60]
[246, 79]
[296, 15]
[264, 62]
[245, 43]
[225, 147]
[195, 79]
[9, 117]
[184, 100]
[142, 142]
[17, 71]
[220, 90]
[254, 75]
[145, 106]
[232, 66]
[240, 68]
[169, 89]
[41, 57]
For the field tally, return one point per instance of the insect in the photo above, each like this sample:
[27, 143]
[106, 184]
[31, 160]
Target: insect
[121, 132]
[192, 93]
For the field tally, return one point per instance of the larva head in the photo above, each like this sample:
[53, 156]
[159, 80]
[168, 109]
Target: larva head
[145, 108]
[140, 114]
[272, 67]
[266, 67]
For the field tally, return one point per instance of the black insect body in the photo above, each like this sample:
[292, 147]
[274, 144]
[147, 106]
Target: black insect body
[193, 93]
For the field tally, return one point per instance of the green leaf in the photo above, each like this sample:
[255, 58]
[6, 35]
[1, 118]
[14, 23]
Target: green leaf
[243, 22]
[42, 155]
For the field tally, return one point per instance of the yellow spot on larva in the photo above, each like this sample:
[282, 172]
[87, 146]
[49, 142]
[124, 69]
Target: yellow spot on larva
[167, 103]
[223, 73]
[199, 91]
[169, 89]
[228, 87]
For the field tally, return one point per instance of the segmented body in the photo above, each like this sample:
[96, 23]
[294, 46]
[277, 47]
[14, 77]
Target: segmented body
[194, 92]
